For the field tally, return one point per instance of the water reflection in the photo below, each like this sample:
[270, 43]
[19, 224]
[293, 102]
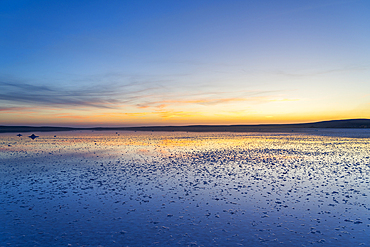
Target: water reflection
[206, 189]
[33, 136]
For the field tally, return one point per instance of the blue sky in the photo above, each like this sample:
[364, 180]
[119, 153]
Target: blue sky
[183, 62]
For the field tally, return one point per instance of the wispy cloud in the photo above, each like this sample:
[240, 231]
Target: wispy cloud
[97, 96]
[5, 109]
[210, 101]
[20, 92]
[136, 97]
[164, 103]
[174, 114]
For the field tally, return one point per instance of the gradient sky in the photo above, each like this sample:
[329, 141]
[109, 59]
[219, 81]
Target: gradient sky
[128, 63]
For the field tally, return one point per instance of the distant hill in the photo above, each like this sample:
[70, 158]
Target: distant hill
[5, 129]
[349, 123]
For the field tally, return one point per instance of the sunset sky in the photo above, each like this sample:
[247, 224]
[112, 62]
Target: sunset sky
[130, 63]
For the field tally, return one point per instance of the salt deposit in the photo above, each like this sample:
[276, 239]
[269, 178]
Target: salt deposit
[184, 189]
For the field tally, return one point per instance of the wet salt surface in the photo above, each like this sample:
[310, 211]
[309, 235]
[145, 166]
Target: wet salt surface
[184, 189]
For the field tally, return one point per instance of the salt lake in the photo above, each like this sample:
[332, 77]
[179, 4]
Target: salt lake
[108, 188]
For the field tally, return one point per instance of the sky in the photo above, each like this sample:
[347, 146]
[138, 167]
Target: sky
[135, 63]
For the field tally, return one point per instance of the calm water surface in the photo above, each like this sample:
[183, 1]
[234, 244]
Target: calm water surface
[184, 189]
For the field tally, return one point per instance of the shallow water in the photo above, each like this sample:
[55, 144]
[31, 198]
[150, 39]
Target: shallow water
[184, 189]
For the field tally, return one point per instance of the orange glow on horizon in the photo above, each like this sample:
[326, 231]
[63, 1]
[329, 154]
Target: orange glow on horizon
[168, 118]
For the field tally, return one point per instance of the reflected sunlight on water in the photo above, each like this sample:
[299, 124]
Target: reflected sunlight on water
[165, 189]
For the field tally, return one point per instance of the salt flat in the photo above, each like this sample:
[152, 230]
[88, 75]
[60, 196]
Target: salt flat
[86, 188]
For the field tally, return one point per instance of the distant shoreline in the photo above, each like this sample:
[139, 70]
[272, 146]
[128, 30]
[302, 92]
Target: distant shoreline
[333, 124]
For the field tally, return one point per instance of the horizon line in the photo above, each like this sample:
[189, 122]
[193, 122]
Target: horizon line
[343, 123]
